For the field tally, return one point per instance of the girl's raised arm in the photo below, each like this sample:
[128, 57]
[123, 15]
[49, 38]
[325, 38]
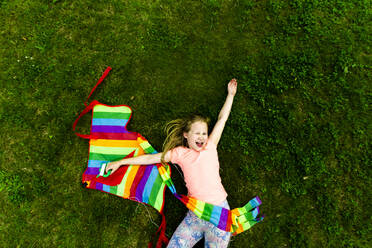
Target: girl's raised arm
[145, 159]
[224, 113]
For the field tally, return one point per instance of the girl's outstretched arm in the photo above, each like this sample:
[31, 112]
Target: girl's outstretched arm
[145, 159]
[224, 113]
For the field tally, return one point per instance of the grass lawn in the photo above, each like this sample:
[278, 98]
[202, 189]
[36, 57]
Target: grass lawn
[298, 135]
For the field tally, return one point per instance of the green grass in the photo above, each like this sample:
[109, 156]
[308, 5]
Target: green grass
[298, 135]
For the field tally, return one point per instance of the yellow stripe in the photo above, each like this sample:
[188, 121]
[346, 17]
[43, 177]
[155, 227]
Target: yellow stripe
[242, 210]
[121, 109]
[199, 207]
[242, 218]
[114, 143]
[163, 173]
[111, 150]
[130, 179]
[145, 145]
[158, 201]
[121, 186]
[246, 226]
[233, 219]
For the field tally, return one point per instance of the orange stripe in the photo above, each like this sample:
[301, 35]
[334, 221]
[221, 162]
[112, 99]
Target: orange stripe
[114, 143]
[140, 151]
[235, 211]
[191, 204]
[240, 229]
[162, 170]
[130, 178]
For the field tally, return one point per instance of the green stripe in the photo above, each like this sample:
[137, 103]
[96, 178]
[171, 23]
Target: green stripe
[248, 224]
[102, 108]
[159, 198]
[241, 210]
[113, 189]
[168, 182]
[111, 150]
[246, 208]
[105, 157]
[248, 216]
[155, 189]
[147, 147]
[208, 208]
[111, 115]
[150, 150]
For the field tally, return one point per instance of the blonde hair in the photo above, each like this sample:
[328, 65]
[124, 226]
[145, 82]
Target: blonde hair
[175, 129]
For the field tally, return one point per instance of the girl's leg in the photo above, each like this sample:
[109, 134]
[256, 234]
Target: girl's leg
[215, 237]
[188, 233]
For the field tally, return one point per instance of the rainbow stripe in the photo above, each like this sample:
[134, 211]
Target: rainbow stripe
[139, 183]
[147, 183]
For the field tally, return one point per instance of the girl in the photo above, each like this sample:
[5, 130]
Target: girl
[188, 145]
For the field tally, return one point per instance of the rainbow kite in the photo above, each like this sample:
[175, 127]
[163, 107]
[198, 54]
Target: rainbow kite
[109, 140]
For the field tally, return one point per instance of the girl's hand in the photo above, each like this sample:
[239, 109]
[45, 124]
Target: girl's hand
[231, 87]
[112, 166]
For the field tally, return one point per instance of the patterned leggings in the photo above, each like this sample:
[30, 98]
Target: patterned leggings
[192, 229]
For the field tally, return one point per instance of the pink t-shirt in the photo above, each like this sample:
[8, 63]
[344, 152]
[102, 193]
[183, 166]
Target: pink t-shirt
[201, 170]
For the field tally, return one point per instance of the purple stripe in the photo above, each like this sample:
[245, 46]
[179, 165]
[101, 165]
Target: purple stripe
[223, 219]
[92, 171]
[99, 186]
[141, 185]
[108, 129]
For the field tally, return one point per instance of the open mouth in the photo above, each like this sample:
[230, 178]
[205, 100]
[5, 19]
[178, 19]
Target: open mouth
[199, 144]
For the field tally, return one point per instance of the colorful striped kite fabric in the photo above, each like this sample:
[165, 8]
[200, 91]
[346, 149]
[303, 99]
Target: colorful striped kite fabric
[235, 221]
[111, 141]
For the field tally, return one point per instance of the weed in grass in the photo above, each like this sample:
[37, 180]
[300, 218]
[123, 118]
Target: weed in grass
[13, 186]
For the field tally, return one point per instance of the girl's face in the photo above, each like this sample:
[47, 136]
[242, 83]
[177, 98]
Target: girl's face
[197, 136]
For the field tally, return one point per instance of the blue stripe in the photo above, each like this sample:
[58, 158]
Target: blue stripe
[215, 216]
[172, 188]
[150, 184]
[109, 122]
[255, 212]
[96, 163]
[106, 188]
